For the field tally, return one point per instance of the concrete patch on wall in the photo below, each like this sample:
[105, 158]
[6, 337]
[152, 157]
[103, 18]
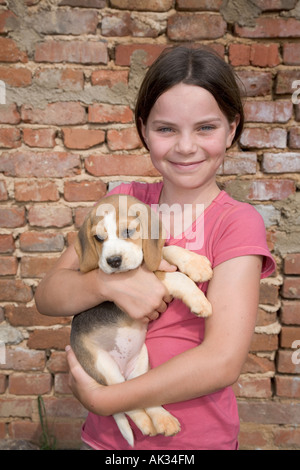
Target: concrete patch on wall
[243, 12]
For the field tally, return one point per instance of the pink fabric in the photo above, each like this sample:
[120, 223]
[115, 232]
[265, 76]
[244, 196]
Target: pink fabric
[210, 422]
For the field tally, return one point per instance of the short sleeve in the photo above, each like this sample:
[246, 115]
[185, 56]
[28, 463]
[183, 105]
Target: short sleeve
[242, 232]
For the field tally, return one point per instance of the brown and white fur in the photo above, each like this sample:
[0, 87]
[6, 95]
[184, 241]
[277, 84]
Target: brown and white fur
[106, 341]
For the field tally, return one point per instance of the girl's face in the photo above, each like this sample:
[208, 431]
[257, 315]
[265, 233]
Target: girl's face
[187, 135]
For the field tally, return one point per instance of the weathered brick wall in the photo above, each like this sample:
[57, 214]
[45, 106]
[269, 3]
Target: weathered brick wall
[70, 70]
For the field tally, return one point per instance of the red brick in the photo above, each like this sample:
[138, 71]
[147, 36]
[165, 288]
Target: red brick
[285, 80]
[30, 384]
[80, 214]
[36, 191]
[49, 339]
[114, 165]
[84, 3]
[40, 164]
[84, 190]
[7, 244]
[3, 384]
[9, 114]
[14, 291]
[41, 241]
[29, 316]
[292, 263]
[256, 387]
[3, 191]
[12, 217]
[58, 114]
[268, 27]
[105, 113]
[281, 162]
[9, 51]
[258, 365]
[150, 52]
[109, 78]
[143, 5]
[239, 54]
[123, 139]
[290, 312]
[264, 342]
[10, 138]
[16, 77]
[23, 359]
[265, 55]
[58, 362]
[285, 363]
[125, 24]
[287, 438]
[8, 266]
[213, 5]
[256, 83]
[287, 386]
[268, 294]
[294, 138]
[8, 21]
[36, 267]
[82, 52]
[39, 137]
[15, 407]
[269, 412]
[61, 384]
[291, 53]
[289, 334]
[191, 27]
[64, 22]
[66, 79]
[82, 138]
[50, 216]
[266, 190]
[255, 137]
[57, 408]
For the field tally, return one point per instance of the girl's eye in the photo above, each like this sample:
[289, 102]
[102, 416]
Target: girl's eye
[206, 128]
[164, 130]
[99, 238]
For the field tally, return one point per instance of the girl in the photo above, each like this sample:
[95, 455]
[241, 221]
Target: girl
[188, 113]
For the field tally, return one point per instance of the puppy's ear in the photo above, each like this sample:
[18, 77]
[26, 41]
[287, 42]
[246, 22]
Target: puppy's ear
[85, 247]
[153, 239]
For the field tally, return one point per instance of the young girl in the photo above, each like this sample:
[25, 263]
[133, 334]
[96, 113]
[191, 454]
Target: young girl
[188, 113]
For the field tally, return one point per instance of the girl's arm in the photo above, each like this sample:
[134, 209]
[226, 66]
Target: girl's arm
[67, 291]
[214, 364]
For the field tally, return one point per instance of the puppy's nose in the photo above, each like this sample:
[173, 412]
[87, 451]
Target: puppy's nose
[114, 261]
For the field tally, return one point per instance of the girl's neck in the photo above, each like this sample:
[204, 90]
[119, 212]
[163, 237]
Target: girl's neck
[204, 196]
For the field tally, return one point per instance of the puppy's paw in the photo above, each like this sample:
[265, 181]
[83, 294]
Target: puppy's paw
[200, 307]
[198, 268]
[164, 422]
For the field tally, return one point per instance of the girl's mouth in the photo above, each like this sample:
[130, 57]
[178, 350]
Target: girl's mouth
[187, 166]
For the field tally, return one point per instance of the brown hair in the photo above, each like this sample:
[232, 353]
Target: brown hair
[193, 66]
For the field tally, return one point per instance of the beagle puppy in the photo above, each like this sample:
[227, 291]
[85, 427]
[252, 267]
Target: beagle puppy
[119, 234]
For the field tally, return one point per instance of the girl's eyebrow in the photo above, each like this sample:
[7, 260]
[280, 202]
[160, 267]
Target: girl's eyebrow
[204, 121]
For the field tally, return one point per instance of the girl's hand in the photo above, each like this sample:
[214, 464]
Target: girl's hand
[139, 292]
[85, 388]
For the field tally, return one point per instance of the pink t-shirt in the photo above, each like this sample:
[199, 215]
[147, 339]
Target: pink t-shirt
[231, 229]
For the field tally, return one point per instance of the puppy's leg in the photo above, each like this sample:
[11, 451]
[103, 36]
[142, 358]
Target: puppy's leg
[109, 369]
[197, 267]
[163, 421]
[182, 287]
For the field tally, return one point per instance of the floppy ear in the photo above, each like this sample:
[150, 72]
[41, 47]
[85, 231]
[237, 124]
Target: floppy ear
[85, 248]
[153, 239]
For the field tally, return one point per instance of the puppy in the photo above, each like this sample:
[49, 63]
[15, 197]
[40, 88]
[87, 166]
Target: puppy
[119, 234]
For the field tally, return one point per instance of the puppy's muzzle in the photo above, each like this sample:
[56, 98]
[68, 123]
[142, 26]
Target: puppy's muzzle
[114, 261]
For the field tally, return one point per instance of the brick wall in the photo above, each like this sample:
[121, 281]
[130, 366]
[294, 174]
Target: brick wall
[70, 70]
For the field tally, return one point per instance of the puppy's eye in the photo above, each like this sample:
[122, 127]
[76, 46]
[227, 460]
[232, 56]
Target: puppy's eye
[99, 238]
[128, 233]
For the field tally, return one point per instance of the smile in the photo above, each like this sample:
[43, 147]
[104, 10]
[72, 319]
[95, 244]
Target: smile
[187, 166]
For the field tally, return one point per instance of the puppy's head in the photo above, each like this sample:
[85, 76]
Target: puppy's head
[118, 235]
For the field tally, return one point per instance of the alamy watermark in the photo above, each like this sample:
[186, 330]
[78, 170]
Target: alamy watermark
[2, 92]
[296, 94]
[176, 220]
[2, 353]
[296, 354]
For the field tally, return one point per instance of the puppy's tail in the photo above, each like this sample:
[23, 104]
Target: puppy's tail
[124, 427]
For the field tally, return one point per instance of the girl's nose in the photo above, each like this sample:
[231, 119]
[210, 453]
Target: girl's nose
[185, 144]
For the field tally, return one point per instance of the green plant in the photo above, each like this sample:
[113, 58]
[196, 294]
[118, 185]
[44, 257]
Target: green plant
[47, 440]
